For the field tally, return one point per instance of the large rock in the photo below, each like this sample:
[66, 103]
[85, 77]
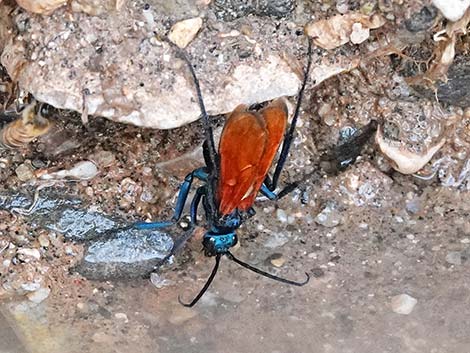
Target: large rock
[112, 65]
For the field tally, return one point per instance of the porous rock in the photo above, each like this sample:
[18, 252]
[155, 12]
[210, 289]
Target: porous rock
[114, 66]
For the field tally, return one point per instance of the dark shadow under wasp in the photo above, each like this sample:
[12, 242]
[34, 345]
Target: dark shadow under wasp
[234, 174]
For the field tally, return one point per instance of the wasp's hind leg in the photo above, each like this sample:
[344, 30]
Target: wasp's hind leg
[200, 173]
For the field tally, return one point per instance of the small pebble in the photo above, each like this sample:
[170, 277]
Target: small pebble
[465, 241]
[183, 32]
[281, 215]
[403, 304]
[328, 217]
[26, 254]
[158, 281]
[454, 258]
[24, 172]
[413, 205]
[103, 158]
[83, 307]
[38, 296]
[121, 316]
[44, 240]
[31, 286]
[83, 170]
[277, 260]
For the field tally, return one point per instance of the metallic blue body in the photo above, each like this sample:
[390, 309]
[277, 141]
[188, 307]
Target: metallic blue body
[221, 237]
[218, 243]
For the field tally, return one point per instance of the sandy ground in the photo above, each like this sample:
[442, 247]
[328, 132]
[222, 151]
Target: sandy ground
[386, 235]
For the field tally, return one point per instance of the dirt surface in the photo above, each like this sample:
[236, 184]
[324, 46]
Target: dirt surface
[364, 236]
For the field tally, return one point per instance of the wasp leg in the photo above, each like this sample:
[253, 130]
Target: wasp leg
[289, 136]
[268, 193]
[199, 173]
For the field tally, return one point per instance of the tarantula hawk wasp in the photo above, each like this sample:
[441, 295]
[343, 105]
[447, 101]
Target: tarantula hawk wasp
[233, 175]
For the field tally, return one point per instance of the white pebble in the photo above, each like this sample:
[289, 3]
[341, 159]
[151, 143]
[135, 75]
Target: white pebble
[27, 252]
[281, 215]
[121, 316]
[452, 9]
[158, 281]
[403, 304]
[39, 295]
[31, 286]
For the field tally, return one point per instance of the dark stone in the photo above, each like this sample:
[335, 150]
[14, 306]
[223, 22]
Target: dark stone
[455, 91]
[125, 253]
[421, 21]
[229, 10]
[43, 205]
[60, 213]
[348, 149]
[79, 225]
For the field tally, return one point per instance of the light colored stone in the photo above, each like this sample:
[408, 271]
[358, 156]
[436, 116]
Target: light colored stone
[44, 7]
[111, 66]
[38, 296]
[403, 304]
[403, 160]
[121, 316]
[183, 32]
[83, 170]
[278, 261]
[44, 240]
[338, 30]
[29, 253]
[328, 217]
[452, 9]
[454, 258]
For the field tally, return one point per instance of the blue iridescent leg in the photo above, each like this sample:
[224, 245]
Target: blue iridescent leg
[179, 242]
[268, 193]
[199, 173]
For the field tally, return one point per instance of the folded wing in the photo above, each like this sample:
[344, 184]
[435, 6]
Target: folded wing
[247, 148]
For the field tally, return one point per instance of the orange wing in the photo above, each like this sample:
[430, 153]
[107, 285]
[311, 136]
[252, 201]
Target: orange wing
[247, 147]
[275, 117]
[241, 147]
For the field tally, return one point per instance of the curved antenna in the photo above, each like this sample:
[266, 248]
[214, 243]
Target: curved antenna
[290, 133]
[266, 274]
[210, 153]
[205, 118]
[206, 286]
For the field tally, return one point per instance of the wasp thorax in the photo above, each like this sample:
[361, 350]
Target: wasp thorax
[22, 131]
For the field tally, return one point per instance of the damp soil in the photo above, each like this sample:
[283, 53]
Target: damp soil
[385, 234]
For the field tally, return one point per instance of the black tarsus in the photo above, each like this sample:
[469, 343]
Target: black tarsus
[272, 184]
[206, 286]
[266, 274]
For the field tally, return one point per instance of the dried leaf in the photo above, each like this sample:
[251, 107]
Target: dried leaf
[339, 30]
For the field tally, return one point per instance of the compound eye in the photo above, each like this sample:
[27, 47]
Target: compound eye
[209, 246]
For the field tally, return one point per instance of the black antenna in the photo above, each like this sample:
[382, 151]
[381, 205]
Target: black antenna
[290, 133]
[266, 274]
[205, 118]
[206, 286]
